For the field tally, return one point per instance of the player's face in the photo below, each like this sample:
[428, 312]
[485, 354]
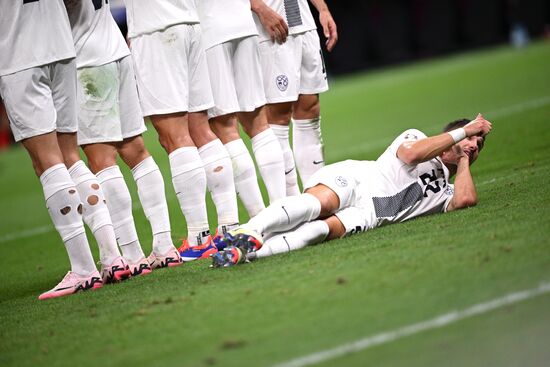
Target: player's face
[471, 146]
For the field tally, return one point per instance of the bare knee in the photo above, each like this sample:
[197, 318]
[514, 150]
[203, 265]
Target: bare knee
[173, 131]
[330, 202]
[335, 228]
[133, 151]
[307, 107]
[254, 122]
[199, 129]
[100, 156]
[279, 113]
[225, 127]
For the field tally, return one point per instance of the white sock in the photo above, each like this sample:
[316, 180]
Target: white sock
[150, 186]
[64, 208]
[119, 203]
[286, 214]
[309, 233]
[95, 212]
[246, 182]
[281, 131]
[189, 181]
[269, 157]
[308, 147]
[219, 177]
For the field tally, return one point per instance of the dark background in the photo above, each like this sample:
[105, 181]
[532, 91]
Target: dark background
[373, 33]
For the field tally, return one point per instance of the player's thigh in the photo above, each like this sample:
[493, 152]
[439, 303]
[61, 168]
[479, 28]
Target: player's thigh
[340, 179]
[131, 117]
[98, 104]
[64, 93]
[200, 90]
[248, 74]
[313, 75]
[162, 70]
[220, 68]
[29, 102]
[280, 69]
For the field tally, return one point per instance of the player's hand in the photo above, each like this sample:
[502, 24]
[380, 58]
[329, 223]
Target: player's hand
[329, 29]
[479, 127]
[273, 23]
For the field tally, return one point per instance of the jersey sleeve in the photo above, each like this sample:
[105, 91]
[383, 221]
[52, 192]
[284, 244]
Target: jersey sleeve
[407, 135]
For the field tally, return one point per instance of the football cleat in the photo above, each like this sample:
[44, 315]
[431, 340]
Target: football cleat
[190, 253]
[116, 272]
[222, 241]
[229, 257]
[245, 239]
[73, 283]
[170, 259]
[141, 267]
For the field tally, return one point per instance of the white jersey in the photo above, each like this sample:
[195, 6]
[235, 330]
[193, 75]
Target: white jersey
[399, 191]
[97, 38]
[148, 16]
[33, 33]
[296, 14]
[225, 20]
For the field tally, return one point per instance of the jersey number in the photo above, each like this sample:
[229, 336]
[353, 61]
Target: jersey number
[431, 181]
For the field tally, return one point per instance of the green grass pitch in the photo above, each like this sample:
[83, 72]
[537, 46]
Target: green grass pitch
[291, 305]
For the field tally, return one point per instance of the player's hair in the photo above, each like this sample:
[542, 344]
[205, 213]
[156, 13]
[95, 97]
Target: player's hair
[456, 124]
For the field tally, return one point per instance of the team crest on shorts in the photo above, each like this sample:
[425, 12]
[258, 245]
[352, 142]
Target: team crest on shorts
[341, 181]
[282, 82]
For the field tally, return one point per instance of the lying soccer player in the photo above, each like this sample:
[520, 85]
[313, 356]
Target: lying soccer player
[410, 179]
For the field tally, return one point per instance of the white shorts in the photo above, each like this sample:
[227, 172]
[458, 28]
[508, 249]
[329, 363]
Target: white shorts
[42, 99]
[356, 213]
[293, 68]
[108, 103]
[171, 71]
[236, 76]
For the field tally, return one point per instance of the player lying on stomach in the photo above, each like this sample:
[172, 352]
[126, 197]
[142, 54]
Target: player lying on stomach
[410, 179]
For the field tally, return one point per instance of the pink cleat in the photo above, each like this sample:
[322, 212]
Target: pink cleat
[116, 272]
[169, 259]
[141, 267]
[73, 283]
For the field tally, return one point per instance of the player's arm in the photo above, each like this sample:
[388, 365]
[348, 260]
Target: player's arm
[274, 24]
[418, 151]
[465, 194]
[327, 22]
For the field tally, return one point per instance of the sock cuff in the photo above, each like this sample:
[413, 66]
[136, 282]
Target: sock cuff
[307, 124]
[262, 139]
[55, 179]
[281, 131]
[213, 152]
[143, 168]
[313, 203]
[236, 148]
[184, 159]
[80, 173]
[109, 173]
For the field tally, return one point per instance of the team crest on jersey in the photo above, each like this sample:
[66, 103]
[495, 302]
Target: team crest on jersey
[282, 82]
[449, 190]
[341, 181]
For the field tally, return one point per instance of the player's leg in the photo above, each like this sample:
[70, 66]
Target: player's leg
[265, 145]
[216, 160]
[219, 171]
[331, 189]
[145, 171]
[280, 67]
[29, 103]
[162, 74]
[223, 123]
[307, 139]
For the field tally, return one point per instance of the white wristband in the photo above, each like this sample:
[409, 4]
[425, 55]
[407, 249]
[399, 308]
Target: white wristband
[458, 134]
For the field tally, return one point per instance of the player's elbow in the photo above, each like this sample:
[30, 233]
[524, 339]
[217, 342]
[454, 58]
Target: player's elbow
[409, 155]
[466, 201]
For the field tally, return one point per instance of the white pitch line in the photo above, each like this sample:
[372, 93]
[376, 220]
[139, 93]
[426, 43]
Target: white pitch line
[495, 114]
[380, 143]
[436, 322]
